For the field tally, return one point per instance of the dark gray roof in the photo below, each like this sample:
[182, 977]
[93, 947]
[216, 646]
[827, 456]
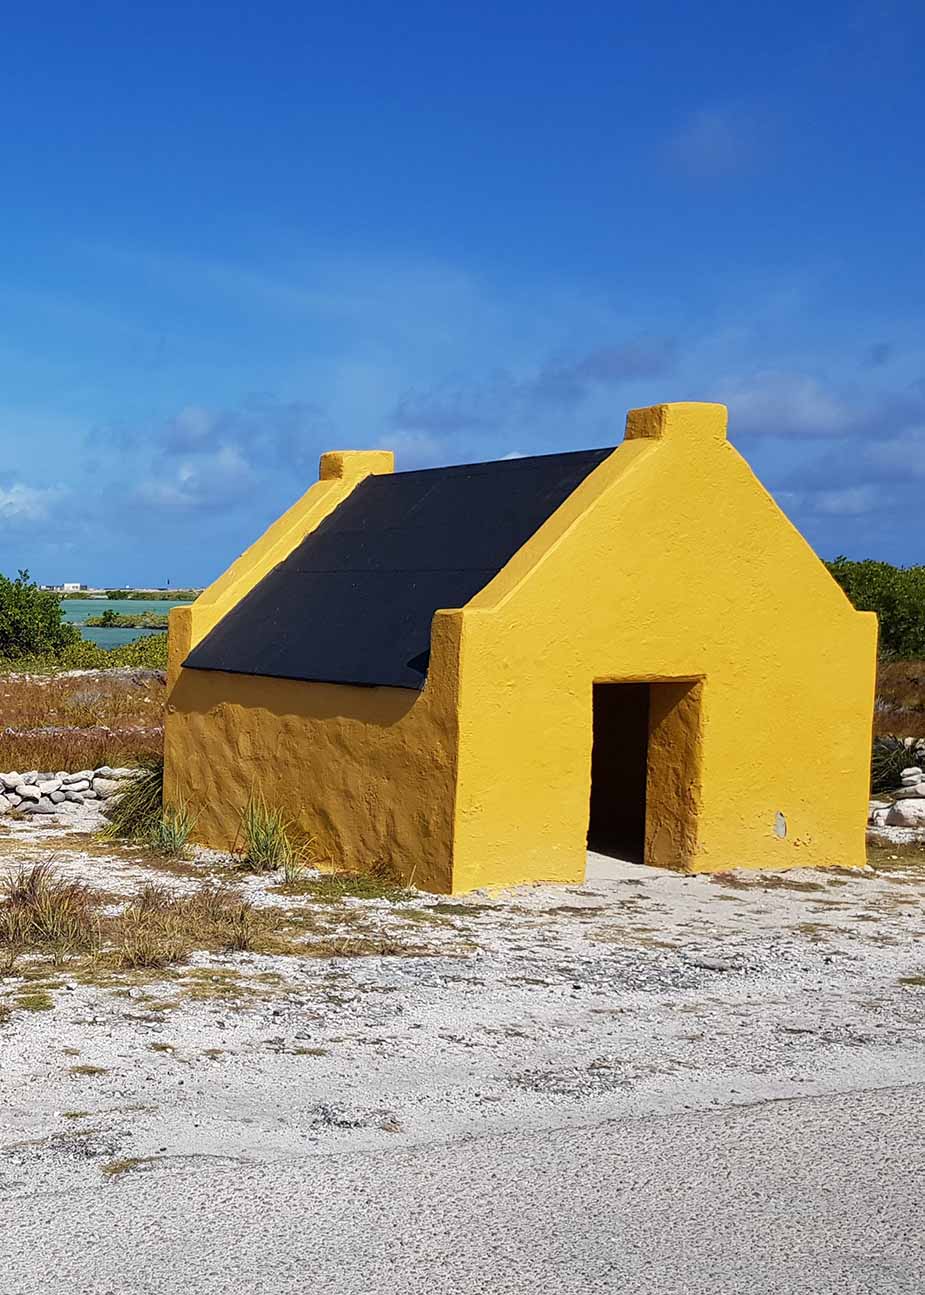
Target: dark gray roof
[354, 602]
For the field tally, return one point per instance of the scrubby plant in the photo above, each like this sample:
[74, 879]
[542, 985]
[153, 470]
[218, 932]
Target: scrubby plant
[890, 755]
[380, 883]
[170, 833]
[40, 910]
[31, 620]
[268, 842]
[136, 813]
[146, 653]
[159, 928]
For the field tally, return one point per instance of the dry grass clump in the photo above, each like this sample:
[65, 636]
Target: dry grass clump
[74, 749]
[333, 886]
[42, 912]
[271, 842]
[159, 928]
[48, 920]
[139, 814]
[169, 835]
[89, 701]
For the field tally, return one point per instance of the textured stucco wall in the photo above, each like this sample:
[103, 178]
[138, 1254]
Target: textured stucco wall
[369, 771]
[669, 563]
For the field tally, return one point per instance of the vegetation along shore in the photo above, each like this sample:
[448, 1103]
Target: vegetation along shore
[128, 620]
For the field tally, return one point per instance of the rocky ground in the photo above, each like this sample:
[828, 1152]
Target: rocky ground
[418, 1020]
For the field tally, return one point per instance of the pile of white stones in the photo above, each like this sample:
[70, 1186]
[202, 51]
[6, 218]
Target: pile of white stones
[48, 793]
[907, 808]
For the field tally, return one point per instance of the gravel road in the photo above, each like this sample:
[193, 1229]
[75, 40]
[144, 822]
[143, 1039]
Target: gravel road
[820, 1195]
[652, 1081]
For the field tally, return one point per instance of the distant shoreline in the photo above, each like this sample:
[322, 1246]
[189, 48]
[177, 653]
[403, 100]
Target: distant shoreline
[131, 595]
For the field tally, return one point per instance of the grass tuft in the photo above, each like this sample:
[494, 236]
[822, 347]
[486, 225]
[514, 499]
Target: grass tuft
[889, 756]
[138, 811]
[169, 835]
[159, 928]
[380, 882]
[273, 843]
[268, 843]
[37, 1000]
[115, 1168]
[41, 912]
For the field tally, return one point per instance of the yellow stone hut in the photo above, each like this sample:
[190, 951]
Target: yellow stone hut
[468, 673]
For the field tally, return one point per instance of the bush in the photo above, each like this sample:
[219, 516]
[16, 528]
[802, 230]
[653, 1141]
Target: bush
[31, 620]
[896, 594]
[146, 653]
[42, 911]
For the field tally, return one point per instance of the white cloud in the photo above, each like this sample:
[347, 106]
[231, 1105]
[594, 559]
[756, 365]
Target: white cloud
[852, 501]
[843, 501]
[899, 455]
[774, 403]
[20, 503]
[417, 450]
[206, 481]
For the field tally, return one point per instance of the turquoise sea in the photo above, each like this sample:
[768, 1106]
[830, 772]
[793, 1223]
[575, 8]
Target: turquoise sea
[76, 610]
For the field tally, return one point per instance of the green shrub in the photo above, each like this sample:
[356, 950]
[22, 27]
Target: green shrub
[150, 595]
[147, 653]
[896, 594]
[31, 620]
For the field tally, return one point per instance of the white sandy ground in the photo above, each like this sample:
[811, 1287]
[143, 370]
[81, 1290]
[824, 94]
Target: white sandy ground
[538, 1010]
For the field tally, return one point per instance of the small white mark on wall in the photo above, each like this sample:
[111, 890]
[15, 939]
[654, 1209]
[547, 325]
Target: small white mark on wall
[780, 825]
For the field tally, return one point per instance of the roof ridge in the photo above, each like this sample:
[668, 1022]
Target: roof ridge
[520, 460]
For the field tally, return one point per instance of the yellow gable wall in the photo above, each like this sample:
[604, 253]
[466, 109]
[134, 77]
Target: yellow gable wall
[669, 562]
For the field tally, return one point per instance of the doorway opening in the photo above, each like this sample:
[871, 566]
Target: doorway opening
[619, 764]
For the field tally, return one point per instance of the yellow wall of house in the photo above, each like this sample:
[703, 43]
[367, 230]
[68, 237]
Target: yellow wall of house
[669, 563]
[369, 771]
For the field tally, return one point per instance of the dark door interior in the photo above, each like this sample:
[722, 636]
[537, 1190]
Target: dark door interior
[619, 754]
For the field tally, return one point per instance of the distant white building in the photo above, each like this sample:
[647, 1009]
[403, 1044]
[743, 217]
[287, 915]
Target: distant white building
[72, 589]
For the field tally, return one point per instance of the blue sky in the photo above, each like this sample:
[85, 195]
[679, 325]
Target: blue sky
[235, 236]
